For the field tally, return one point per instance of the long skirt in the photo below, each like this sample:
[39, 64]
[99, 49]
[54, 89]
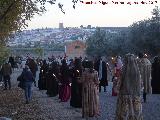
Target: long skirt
[90, 101]
[64, 92]
[115, 87]
[52, 88]
[129, 108]
[76, 95]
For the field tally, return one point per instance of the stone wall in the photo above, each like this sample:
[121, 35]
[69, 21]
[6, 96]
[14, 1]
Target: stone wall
[75, 49]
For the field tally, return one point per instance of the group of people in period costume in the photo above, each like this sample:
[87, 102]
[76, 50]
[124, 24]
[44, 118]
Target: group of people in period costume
[138, 76]
[76, 80]
[80, 81]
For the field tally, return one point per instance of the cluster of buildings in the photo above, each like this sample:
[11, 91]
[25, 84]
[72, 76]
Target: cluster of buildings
[72, 39]
[48, 36]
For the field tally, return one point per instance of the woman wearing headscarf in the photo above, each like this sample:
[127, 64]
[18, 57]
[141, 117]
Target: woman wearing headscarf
[156, 76]
[90, 84]
[65, 88]
[129, 106]
[76, 87]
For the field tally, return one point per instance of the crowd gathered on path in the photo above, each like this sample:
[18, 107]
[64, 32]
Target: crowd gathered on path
[80, 80]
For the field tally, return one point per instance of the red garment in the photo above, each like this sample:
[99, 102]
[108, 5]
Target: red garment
[64, 92]
[113, 92]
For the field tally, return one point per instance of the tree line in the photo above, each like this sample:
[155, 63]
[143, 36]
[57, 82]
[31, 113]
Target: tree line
[142, 36]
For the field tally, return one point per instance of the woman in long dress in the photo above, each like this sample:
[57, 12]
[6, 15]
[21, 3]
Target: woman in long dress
[43, 76]
[52, 81]
[115, 80]
[129, 106]
[117, 75]
[64, 88]
[90, 98]
[76, 88]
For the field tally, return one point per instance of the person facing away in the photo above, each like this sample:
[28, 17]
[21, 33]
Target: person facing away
[145, 70]
[156, 76]
[6, 73]
[28, 79]
[33, 67]
[129, 106]
[76, 87]
[42, 83]
[52, 81]
[65, 89]
[101, 67]
[11, 61]
[90, 84]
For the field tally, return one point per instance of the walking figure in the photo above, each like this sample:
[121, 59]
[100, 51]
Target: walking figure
[6, 72]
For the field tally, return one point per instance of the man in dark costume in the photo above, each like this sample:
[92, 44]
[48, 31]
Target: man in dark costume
[52, 81]
[156, 76]
[76, 87]
[101, 67]
[43, 76]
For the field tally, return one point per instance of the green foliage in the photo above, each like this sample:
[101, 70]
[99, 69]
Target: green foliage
[142, 36]
[4, 54]
[156, 14]
[39, 51]
[145, 35]
[57, 47]
[105, 43]
[96, 44]
[14, 14]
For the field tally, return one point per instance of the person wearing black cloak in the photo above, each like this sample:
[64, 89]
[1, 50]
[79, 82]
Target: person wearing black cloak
[12, 61]
[64, 88]
[101, 67]
[43, 76]
[76, 87]
[52, 81]
[156, 76]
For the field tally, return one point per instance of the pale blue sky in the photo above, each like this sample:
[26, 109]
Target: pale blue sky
[95, 14]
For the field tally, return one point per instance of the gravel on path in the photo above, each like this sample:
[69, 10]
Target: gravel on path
[42, 107]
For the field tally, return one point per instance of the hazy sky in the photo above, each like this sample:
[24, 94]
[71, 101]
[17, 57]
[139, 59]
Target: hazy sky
[93, 14]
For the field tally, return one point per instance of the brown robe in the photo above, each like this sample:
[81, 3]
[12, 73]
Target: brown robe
[145, 70]
[90, 98]
[129, 106]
